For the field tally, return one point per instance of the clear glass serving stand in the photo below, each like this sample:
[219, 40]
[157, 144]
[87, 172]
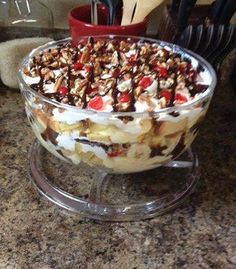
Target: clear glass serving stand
[112, 197]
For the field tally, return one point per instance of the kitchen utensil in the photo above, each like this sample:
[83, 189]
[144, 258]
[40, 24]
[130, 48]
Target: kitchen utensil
[227, 12]
[112, 6]
[201, 44]
[183, 13]
[207, 39]
[216, 10]
[94, 12]
[128, 9]
[175, 5]
[143, 8]
[186, 37]
[118, 4]
[226, 46]
[216, 43]
[198, 37]
[193, 38]
[212, 42]
[23, 7]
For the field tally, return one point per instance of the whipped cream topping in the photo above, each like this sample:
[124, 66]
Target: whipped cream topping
[98, 151]
[67, 140]
[111, 75]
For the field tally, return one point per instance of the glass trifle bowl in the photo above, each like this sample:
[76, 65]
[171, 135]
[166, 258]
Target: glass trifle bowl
[113, 107]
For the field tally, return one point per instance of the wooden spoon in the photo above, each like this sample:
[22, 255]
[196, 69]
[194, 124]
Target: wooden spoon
[143, 8]
[128, 9]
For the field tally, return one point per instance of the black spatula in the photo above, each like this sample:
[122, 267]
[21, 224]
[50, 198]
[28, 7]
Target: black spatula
[112, 7]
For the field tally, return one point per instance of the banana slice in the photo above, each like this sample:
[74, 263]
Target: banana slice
[110, 134]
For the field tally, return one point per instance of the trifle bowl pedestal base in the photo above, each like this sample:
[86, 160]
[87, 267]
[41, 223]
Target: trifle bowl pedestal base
[113, 197]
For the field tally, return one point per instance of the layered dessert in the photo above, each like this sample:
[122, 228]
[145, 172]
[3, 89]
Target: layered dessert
[121, 104]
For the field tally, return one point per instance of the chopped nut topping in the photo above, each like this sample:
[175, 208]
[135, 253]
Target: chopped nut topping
[115, 73]
[85, 56]
[58, 83]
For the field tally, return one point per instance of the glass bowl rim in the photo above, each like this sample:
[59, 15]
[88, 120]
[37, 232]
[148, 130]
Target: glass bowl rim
[207, 93]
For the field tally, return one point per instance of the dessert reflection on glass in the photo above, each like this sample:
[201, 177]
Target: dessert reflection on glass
[117, 103]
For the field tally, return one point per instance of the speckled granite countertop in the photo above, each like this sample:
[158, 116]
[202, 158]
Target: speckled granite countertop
[199, 234]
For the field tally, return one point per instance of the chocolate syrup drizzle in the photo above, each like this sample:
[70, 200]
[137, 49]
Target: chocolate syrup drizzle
[106, 148]
[114, 94]
[173, 88]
